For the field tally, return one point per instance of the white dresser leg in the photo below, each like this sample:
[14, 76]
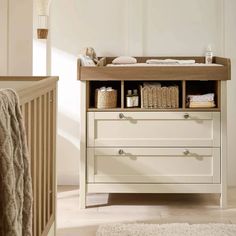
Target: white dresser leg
[223, 200]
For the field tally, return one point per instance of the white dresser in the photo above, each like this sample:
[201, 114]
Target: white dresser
[125, 150]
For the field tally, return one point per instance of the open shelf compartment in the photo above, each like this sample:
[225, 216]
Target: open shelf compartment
[201, 88]
[138, 85]
[93, 85]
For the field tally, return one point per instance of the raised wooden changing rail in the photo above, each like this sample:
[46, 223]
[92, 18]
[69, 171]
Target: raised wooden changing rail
[38, 105]
[200, 72]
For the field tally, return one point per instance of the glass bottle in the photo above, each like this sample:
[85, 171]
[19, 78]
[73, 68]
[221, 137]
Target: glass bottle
[135, 98]
[129, 99]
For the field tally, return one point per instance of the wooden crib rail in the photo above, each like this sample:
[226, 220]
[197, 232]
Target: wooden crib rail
[38, 105]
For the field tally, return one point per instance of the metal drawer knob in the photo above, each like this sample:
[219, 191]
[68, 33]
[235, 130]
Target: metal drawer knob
[121, 152]
[186, 152]
[121, 116]
[186, 116]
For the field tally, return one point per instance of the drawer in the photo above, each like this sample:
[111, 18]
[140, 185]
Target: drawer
[153, 129]
[153, 165]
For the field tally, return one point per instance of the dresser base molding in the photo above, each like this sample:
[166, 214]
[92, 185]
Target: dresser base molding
[153, 188]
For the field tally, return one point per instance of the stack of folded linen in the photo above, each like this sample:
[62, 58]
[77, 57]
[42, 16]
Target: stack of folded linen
[170, 62]
[201, 101]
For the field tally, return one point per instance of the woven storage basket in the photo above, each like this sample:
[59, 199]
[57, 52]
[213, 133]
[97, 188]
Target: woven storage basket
[174, 97]
[105, 99]
[159, 97]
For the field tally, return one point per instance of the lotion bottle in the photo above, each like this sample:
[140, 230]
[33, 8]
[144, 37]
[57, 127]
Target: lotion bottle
[209, 55]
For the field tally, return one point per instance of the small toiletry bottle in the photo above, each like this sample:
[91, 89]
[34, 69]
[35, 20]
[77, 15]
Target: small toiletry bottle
[129, 99]
[135, 98]
[209, 55]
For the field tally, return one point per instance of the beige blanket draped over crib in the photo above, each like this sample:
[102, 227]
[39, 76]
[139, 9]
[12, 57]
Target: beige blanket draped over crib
[15, 177]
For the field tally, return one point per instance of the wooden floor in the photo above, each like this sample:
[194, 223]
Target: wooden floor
[149, 208]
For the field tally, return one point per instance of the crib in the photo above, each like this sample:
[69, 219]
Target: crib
[38, 99]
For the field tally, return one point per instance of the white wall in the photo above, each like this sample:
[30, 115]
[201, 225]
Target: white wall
[3, 36]
[230, 51]
[20, 37]
[134, 27]
[181, 27]
[73, 27]
[16, 24]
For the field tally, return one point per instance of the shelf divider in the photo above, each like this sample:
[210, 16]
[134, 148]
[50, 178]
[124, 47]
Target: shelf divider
[183, 94]
[88, 94]
[122, 94]
[218, 94]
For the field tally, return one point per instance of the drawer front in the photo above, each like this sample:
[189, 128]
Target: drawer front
[153, 165]
[153, 129]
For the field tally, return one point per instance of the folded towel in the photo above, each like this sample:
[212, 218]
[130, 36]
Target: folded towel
[210, 104]
[201, 98]
[105, 89]
[15, 178]
[170, 61]
[124, 60]
[183, 62]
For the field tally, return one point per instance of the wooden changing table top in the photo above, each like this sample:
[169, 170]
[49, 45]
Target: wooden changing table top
[179, 72]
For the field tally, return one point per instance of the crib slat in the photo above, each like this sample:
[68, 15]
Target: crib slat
[29, 120]
[48, 154]
[42, 163]
[33, 162]
[54, 120]
[39, 164]
[52, 154]
[51, 151]
[44, 113]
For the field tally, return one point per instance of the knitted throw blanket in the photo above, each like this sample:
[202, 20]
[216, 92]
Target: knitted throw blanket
[15, 178]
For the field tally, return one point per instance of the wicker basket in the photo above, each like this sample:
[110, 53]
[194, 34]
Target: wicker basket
[159, 97]
[105, 99]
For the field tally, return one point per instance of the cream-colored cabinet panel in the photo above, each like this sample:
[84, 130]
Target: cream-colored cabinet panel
[153, 165]
[153, 129]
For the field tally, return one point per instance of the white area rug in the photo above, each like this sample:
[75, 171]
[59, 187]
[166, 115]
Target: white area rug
[167, 230]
